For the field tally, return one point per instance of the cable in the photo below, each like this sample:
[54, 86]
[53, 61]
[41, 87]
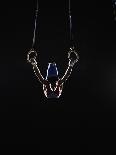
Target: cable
[35, 26]
[114, 8]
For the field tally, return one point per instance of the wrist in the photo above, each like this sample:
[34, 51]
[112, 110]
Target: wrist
[71, 63]
[33, 62]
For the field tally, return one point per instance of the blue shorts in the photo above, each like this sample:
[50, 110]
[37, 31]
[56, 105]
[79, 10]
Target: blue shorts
[52, 95]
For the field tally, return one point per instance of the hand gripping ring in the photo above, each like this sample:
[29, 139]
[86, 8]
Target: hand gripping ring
[72, 50]
[29, 53]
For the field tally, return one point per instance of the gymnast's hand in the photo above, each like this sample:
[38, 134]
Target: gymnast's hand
[31, 57]
[33, 62]
[72, 56]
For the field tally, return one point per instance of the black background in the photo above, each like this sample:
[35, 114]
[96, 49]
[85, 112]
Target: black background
[88, 100]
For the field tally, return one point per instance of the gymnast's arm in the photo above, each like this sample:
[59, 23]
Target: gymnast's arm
[37, 71]
[71, 63]
[67, 73]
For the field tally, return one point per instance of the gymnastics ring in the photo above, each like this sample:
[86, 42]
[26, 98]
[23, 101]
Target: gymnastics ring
[28, 55]
[72, 50]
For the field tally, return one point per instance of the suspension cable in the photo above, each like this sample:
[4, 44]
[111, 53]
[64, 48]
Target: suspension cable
[114, 9]
[35, 26]
[72, 43]
[70, 23]
[32, 50]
